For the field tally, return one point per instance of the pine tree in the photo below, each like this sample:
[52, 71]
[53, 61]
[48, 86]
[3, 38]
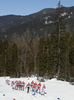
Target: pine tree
[50, 57]
[65, 49]
[41, 57]
[14, 59]
[1, 59]
[5, 55]
[59, 30]
[71, 56]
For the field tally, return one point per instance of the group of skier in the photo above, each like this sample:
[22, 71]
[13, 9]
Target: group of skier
[33, 86]
[36, 88]
[18, 85]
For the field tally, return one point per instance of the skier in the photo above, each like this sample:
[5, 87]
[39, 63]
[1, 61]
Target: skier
[8, 82]
[43, 89]
[14, 85]
[39, 87]
[17, 85]
[32, 83]
[28, 87]
[22, 85]
[34, 88]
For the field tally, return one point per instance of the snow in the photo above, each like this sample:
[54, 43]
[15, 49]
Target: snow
[47, 17]
[68, 16]
[46, 22]
[63, 14]
[50, 21]
[71, 13]
[56, 90]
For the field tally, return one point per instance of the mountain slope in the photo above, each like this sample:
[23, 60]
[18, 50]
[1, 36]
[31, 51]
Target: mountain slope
[38, 23]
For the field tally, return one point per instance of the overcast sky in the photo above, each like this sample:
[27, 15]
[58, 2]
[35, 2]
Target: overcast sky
[26, 7]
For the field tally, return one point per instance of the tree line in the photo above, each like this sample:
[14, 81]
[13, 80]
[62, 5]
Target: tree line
[43, 56]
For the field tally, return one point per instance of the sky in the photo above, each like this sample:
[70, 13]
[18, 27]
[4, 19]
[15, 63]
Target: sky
[26, 7]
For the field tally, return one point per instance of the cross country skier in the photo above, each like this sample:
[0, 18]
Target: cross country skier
[28, 87]
[43, 89]
[32, 83]
[39, 87]
[17, 85]
[22, 85]
[8, 82]
[14, 85]
[34, 88]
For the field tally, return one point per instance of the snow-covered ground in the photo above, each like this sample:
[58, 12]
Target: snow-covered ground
[56, 90]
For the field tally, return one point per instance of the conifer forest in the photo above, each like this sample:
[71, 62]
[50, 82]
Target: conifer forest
[48, 56]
